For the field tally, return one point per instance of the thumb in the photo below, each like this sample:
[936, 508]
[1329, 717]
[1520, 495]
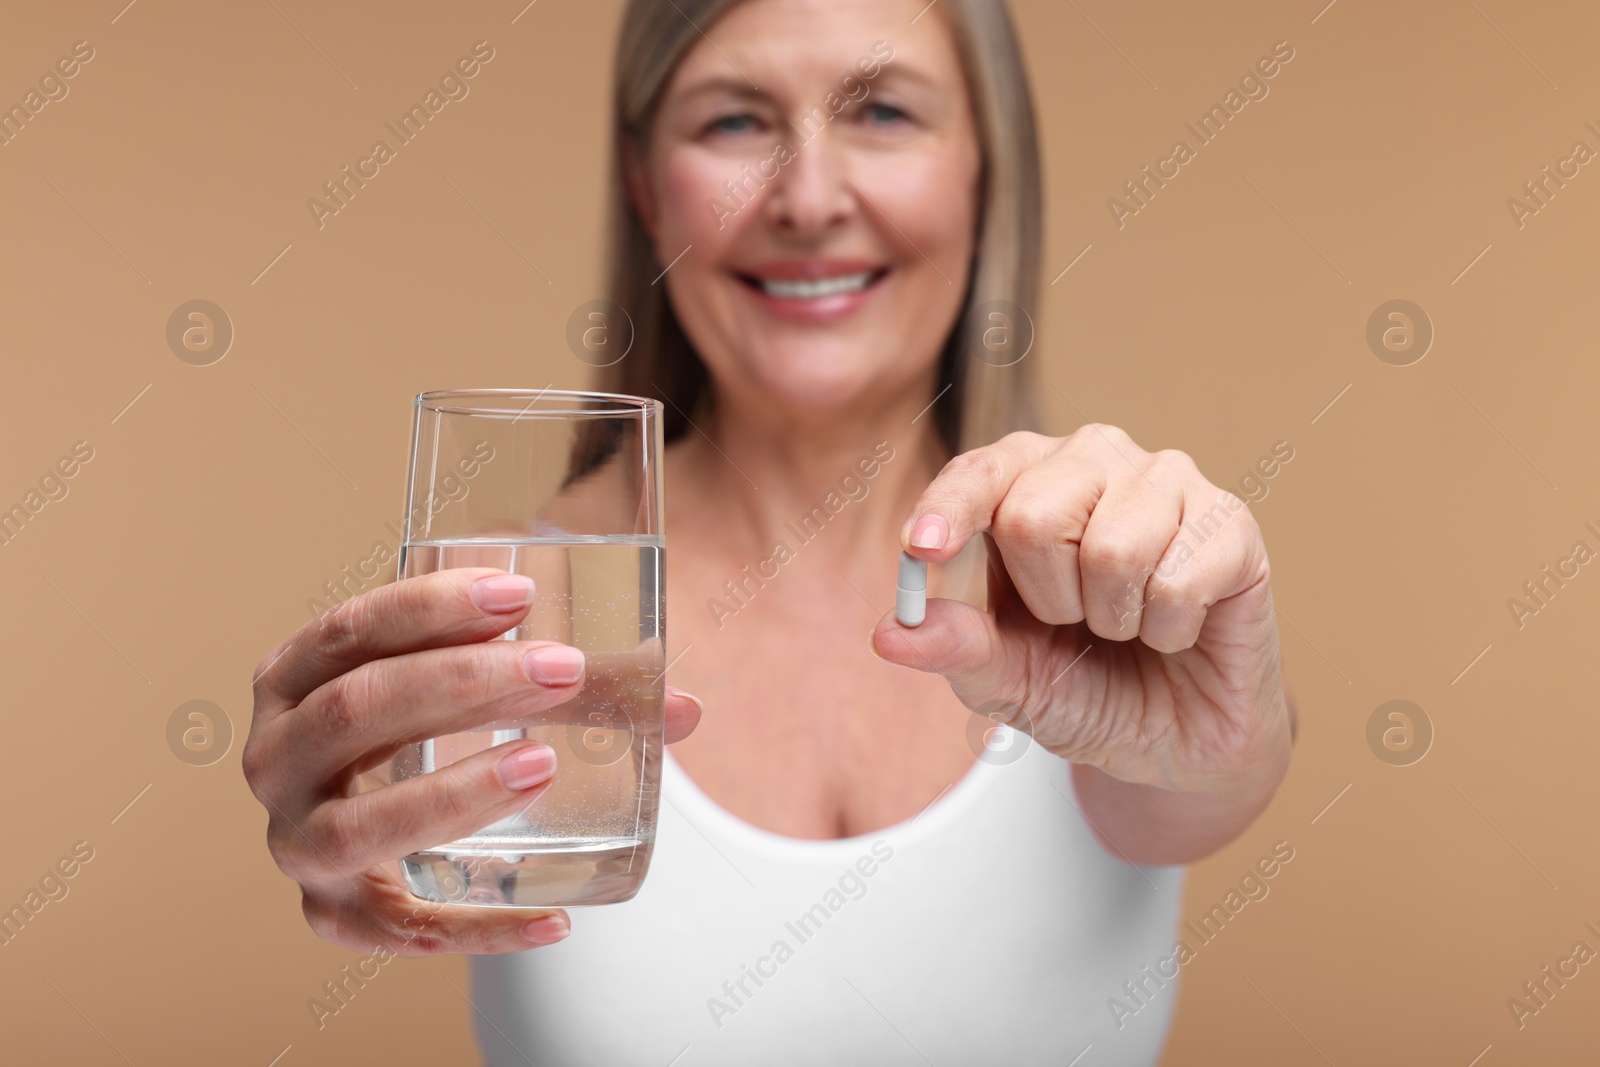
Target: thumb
[967, 647]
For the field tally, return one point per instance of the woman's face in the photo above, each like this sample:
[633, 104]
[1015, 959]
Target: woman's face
[819, 161]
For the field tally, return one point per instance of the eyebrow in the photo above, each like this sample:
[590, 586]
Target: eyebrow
[742, 89]
[722, 84]
[903, 73]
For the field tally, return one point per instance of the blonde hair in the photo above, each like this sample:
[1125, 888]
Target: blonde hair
[986, 400]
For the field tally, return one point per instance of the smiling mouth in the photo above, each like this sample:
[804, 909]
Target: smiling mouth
[814, 288]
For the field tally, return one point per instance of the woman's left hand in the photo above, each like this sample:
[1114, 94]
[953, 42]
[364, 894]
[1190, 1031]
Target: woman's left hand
[1130, 626]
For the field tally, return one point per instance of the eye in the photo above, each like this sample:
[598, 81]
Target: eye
[879, 114]
[742, 122]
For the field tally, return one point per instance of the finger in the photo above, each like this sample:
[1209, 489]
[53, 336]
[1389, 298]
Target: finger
[961, 500]
[388, 919]
[1212, 557]
[448, 607]
[964, 645]
[1037, 531]
[380, 825]
[615, 693]
[367, 714]
[1131, 526]
[683, 714]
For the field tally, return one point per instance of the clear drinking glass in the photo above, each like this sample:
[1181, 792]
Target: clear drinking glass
[564, 487]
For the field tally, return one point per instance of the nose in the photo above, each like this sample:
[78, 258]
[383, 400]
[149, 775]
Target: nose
[813, 192]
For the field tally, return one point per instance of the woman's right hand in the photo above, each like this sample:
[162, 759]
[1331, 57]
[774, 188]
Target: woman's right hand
[393, 666]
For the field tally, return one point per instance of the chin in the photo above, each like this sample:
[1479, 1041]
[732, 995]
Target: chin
[809, 381]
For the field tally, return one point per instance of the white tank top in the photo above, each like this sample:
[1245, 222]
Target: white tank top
[990, 929]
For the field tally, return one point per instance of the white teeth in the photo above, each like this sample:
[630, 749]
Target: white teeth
[806, 289]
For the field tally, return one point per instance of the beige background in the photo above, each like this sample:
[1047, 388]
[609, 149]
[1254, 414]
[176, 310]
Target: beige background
[1225, 317]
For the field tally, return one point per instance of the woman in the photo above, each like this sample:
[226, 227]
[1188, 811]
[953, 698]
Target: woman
[842, 195]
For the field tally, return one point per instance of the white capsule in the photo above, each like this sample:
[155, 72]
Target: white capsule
[911, 595]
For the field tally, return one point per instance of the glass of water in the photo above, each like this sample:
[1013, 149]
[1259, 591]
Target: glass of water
[564, 487]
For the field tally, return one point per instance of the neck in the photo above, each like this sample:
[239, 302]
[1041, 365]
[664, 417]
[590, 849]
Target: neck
[759, 473]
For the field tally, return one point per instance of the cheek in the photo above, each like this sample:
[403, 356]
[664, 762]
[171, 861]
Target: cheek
[687, 184]
[930, 198]
[690, 186]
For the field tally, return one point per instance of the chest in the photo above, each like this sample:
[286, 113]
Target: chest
[806, 733]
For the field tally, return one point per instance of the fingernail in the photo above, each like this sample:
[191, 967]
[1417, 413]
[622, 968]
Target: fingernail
[674, 691]
[871, 647]
[502, 592]
[554, 664]
[527, 767]
[547, 930]
[931, 531]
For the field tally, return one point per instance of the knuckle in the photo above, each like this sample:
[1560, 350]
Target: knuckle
[420, 932]
[1251, 528]
[1024, 522]
[1060, 610]
[327, 919]
[980, 464]
[455, 799]
[456, 589]
[1174, 460]
[259, 688]
[1183, 588]
[1115, 553]
[1169, 644]
[1244, 532]
[1106, 442]
[1022, 437]
[343, 628]
[288, 851]
[1222, 511]
[344, 834]
[342, 706]
[470, 669]
[255, 764]
[1115, 433]
[421, 941]
[1095, 432]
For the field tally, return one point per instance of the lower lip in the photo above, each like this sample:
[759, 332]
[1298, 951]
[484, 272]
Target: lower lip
[820, 311]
